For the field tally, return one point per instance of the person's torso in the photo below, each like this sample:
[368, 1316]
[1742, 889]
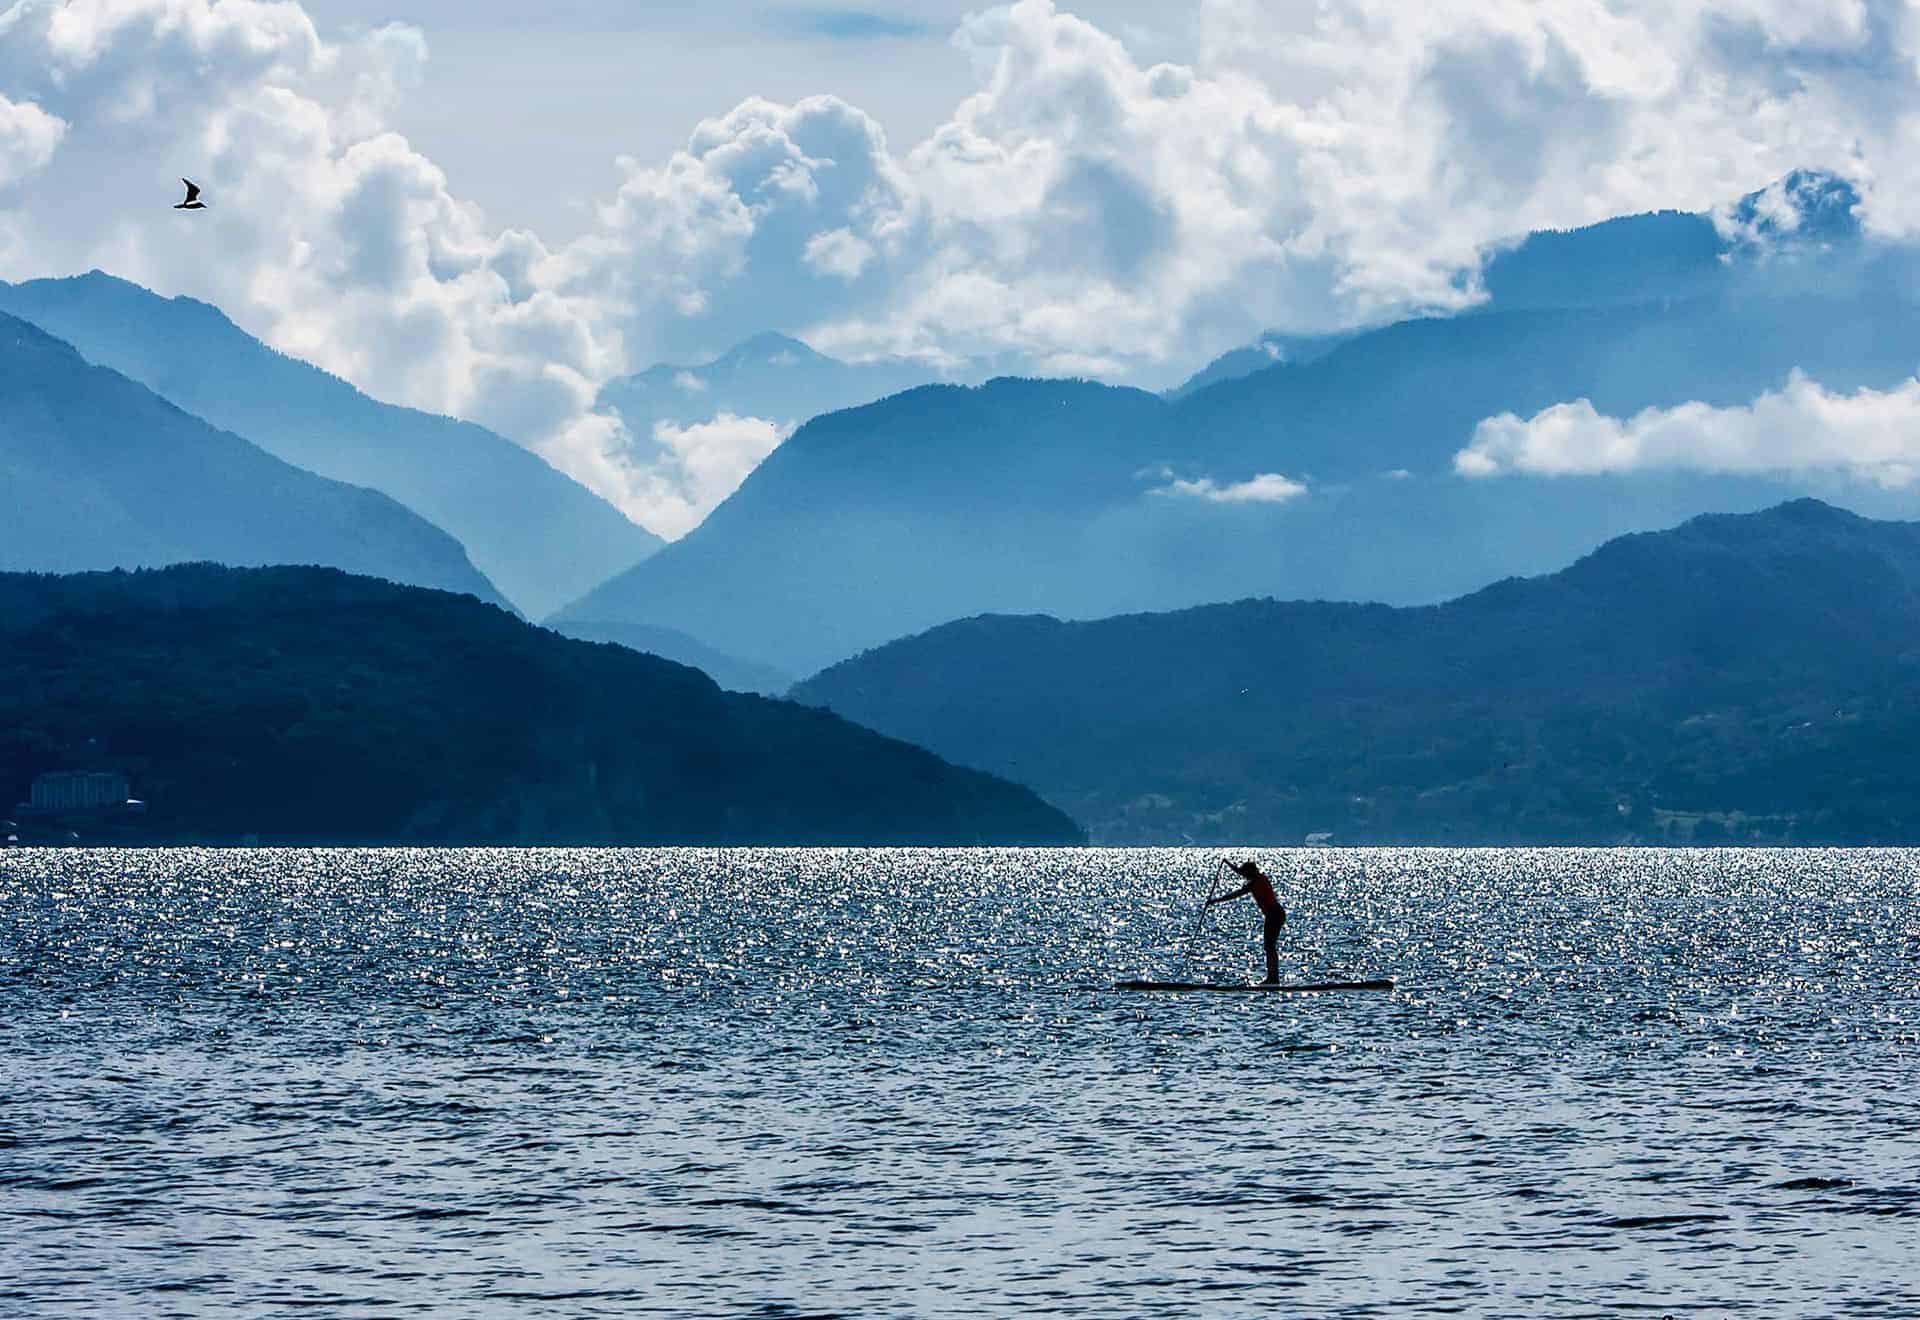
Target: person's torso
[1262, 890]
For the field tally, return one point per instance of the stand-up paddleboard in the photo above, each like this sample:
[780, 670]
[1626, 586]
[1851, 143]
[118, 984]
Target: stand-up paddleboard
[1318, 987]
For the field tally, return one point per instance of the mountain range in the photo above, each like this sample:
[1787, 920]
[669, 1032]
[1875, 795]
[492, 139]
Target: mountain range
[538, 535]
[1301, 467]
[1332, 476]
[1747, 679]
[303, 705]
[97, 471]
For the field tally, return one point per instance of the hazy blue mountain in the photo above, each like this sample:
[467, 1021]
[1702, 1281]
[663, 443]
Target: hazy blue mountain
[541, 536]
[881, 520]
[1409, 395]
[1634, 258]
[729, 671]
[97, 471]
[1629, 259]
[1272, 349]
[1748, 678]
[1807, 207]
[770, 376]
[1061, 497]
[307, 706]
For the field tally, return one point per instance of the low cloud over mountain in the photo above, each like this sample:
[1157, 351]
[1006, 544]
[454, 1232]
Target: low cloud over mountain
[1263, 488]
[1082, 211]
[1869, 434]
[1358, 472]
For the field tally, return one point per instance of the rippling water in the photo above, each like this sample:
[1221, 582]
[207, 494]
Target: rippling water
[879, 1083]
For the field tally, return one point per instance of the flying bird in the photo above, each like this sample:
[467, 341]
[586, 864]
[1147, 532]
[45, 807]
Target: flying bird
[193, 202]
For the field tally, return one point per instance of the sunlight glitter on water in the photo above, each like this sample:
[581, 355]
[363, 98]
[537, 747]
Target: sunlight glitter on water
[895, 1082]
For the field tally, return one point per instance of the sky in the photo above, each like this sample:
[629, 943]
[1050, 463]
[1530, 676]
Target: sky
[491, 210]
[565, 89]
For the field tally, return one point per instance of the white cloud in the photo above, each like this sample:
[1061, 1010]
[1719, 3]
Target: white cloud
[1265, 488]
[327, 235]
[694, 467]
[1316, 166]
[28, 137]
[765, 219]
[1871, 435]
[1081, 212]
[839, 252]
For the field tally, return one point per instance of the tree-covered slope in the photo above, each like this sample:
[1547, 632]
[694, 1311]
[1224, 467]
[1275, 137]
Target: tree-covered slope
[1746, 677]
[729, 671]
[536, 533]
[97, 471]
[305, 705]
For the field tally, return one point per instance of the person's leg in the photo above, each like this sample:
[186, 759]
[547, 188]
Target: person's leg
[1273, 947]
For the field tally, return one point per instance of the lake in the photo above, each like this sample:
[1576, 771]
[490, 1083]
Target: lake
[518, 1083]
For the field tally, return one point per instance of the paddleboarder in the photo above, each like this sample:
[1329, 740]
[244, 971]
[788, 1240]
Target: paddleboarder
[1260, 885]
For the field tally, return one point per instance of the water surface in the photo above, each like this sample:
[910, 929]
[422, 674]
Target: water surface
[895, 1083]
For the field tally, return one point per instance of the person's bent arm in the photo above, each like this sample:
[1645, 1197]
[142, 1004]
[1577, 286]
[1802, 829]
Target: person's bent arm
[1227, 898]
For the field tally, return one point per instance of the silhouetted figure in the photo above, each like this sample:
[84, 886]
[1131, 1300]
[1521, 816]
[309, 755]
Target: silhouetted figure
[193, 202]
[1260, 885]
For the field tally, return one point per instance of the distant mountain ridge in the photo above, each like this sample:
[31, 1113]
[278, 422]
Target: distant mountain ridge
[542, 537]
[771, 376]
[1329, 478]
[1655, 256]
[97, 471]
[1744, 679]
[729, 671]
[306, 706]
[841, 539]
[1269, 350]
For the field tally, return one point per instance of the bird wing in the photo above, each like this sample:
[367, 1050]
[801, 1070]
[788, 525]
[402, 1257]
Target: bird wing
[193, 189]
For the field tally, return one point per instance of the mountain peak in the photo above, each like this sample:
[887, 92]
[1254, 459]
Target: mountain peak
[772, 349]
[1806, 206]
[1790, 517]
[1809, 511]
[99, 289]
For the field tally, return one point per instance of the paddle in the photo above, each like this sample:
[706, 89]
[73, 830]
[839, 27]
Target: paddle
[1186, 961]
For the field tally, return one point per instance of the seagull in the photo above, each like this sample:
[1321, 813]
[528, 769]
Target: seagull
[193, 202]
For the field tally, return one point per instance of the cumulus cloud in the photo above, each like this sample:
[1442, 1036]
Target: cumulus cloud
[1316, 166]
[768, 217]
[1871, 435]
[692, 468]
[839, 252]
[28, 136]
[328, 235]
[1081, 212]
[1265, 488]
